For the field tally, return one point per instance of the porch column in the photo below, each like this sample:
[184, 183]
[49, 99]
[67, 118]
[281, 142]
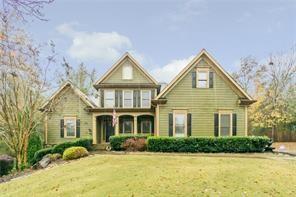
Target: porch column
[117, 126]
[94, 129]
[135, 124]
[156, 125]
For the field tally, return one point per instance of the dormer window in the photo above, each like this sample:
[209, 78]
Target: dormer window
[127, 72]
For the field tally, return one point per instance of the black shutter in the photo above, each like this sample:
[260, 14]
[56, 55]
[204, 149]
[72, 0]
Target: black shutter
[189, 122]
[234, 124]
[116, 98]
[170, 124]
[211, 79]
[62, 128]
[102, 98]
[78, 128]
[193, 74]
[216, 124]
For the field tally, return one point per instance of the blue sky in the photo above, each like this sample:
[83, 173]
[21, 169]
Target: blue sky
[164, 35]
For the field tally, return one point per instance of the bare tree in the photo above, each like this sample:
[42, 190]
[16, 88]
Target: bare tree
[25, 8]
[275, 92]
[247, 72]
[82, 77]
[22, 84]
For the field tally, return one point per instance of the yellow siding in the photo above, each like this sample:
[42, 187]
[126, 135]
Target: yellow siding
[202, 104]
[116, 75]
[69, 105]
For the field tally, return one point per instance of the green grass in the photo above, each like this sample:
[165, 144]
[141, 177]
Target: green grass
[161, 175]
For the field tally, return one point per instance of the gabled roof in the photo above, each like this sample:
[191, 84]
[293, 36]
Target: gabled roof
[118, 63]
[193, 62]
[78, 92]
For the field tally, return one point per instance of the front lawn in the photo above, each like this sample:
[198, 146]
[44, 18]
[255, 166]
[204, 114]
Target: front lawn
[162, 175]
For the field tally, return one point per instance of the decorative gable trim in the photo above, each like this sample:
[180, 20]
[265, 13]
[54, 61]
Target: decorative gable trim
[81, 95]
[187, 69]
[117, 64]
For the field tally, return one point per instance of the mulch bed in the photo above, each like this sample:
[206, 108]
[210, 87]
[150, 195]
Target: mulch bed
[14, 175]
[29, 171]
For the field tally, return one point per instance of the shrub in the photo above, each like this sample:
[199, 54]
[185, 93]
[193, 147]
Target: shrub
[117, 141]
[40, 154]
[233, 144]
[34, 145]
[74, 153]
[134, 144]
[6, 164]
[60, 148]
[55, 156]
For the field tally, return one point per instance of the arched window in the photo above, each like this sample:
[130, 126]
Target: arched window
[127, 72]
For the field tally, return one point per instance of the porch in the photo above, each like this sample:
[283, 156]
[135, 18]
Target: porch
[126, 123]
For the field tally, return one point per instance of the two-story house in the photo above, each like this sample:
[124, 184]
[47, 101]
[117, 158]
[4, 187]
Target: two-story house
[202, 100]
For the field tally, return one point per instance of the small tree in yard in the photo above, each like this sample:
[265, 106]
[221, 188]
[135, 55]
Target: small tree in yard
[21, 88]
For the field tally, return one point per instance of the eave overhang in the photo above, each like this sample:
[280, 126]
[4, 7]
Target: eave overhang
[130, 85]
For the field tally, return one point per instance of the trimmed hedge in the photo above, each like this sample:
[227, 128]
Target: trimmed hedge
[75, 152]
[60, 148]
[35, 144]
[234, 144]
[117, 141]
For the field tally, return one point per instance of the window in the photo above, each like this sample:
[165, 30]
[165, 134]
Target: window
[146, 126]
[180, 124]
[128, 98]
[127, 72]
[225, 124]
[146, 98]
[127, 126]
[202, 79]
[70, 127]
[109, 98]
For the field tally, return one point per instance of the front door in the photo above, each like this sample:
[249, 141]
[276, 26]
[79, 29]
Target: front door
[108, 129]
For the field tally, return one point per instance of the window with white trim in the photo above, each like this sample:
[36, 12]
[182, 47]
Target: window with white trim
[180, 125]
[225, 128]
[127, 72]
[109, 98]
[128, 98]
[70, 127]
[146, 126]
[202, 78]
[145, 98]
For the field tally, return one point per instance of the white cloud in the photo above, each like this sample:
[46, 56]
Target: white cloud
[169, 71]
[98, 46]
